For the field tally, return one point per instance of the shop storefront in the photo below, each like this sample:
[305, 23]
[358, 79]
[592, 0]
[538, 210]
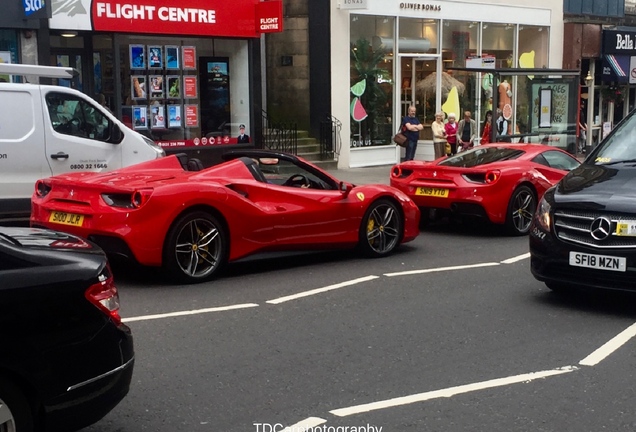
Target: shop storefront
[183, 72]
[19, 31]
[399, 54]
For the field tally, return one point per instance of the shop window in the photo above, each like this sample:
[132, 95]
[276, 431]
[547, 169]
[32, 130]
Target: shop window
[460, 40]
[418, 36]
[498, 41]
[533, 46]
[8, 50]
[182, 93]
[372, 43]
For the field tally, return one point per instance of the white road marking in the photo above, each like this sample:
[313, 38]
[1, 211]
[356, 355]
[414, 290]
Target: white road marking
[321, 290]
[306, 424]
[449, 392]
[517, 258]
[609, 347]
[190, 312]
[441, 269]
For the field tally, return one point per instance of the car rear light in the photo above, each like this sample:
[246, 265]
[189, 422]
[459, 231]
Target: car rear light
[42, 189]
[492, 176]
[140, 197]
[399, 172]
[104, 295]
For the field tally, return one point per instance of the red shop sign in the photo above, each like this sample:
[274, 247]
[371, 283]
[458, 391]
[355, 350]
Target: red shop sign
[269, 17]
[237, 18]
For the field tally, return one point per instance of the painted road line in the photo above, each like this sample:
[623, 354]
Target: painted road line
[321, 290]
[449, 392]
[190, 312]
[608, 348]
[441, 269]
[305, 425]
[516, 259]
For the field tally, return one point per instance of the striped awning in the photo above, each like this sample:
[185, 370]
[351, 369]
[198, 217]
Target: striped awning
[616, 68]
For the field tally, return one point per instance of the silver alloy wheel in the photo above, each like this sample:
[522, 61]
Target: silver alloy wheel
[198, 248]
[383, 228]
[7, 421]
[523, 208]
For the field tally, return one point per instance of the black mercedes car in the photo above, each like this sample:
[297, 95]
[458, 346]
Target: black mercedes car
[584, 231]
[67, 358]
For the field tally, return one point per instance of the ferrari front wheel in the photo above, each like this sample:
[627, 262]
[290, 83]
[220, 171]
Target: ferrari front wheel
[521, 208]
[381, 229]
[195, 248]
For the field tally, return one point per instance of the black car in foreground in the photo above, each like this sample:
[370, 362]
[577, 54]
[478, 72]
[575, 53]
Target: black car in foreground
[67, 358]
[584, 231]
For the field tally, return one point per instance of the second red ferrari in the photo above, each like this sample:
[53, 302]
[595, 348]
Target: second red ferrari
[501, 183]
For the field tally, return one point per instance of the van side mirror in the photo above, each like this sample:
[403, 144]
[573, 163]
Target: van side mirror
[116, 135]
[345, 188]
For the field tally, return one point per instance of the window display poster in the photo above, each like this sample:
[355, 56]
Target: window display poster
[190, 87]
[138, 87]
[189, 57]
[174, 87]
[174, 116]
[137, 57]
[156, 87]
[172, 57]
[5, 57]
[545, 116]
[560, 96]
[157, 116]
[191, 115]
[155, 57]
[140, 117]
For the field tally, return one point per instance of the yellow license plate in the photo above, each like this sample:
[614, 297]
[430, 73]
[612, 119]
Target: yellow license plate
[436, 192]
[66, 218]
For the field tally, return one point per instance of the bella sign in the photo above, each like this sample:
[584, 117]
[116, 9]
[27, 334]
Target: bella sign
[354, 4]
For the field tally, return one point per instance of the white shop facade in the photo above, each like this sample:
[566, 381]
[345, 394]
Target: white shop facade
[389, 54]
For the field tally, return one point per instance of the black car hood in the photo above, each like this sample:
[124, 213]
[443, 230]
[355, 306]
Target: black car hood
[599, 187]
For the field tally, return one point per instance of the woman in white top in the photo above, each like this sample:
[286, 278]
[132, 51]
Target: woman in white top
[439, 135]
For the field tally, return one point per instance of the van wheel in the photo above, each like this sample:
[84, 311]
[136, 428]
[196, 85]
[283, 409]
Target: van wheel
[196, 248]
[381, 230]
[16, 414]
[521, 208]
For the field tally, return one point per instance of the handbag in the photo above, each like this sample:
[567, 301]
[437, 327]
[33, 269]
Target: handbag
[400, 139]
[448, 149]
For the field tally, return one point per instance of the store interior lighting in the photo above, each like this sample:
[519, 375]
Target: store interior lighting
[68, 33]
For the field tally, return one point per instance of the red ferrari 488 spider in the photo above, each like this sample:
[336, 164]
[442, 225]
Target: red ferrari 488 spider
[501, 183]
[172, 213]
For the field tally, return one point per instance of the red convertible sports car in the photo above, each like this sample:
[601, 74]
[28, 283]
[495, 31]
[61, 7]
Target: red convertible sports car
[170, 212]
[501, 183]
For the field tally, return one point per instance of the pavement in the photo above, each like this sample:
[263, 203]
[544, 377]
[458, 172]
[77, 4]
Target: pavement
[366, 175]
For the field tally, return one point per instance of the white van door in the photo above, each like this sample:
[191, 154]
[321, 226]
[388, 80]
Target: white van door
[78, 134]
[22, 158]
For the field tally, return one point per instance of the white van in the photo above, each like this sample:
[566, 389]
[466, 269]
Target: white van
[47, 130]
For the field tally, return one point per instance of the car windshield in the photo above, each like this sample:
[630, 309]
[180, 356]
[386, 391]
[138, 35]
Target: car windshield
[620, 146]
[482, 156]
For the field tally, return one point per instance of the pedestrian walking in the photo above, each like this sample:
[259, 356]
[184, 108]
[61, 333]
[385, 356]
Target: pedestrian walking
[485, 137]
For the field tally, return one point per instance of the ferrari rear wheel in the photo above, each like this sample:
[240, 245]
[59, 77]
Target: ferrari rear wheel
[521, 208]
[196, 247]
[381, 229]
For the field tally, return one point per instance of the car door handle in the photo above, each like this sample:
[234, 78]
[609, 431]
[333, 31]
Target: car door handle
[280, 208]
[59, 155]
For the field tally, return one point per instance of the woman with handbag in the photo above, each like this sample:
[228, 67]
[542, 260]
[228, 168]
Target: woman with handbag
[412, 127]
[451, 132]
[439, 135]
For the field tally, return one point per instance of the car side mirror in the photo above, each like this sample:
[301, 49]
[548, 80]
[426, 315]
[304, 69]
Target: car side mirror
[345, 188]
[116, 134]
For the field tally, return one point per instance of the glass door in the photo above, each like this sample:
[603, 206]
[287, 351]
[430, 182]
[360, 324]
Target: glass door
[419, 86]
[74, 59]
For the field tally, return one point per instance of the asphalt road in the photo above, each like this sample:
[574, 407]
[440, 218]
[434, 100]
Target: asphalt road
[451, 333]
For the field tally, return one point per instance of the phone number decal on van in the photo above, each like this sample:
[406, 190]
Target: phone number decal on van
[88, 166]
